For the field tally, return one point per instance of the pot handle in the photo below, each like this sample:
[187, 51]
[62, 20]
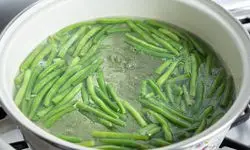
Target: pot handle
[243, 118]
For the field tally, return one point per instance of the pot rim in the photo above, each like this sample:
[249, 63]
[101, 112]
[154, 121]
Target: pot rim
[217, 128]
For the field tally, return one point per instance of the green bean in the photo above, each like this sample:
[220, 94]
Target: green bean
[40, 57]
[176, 113]
[48, 123]
[220, 89]
[170, 93]
[86, 37]
[182, 135]
[59, 96]
[75, 61]
[178, 100]
[226, 98]
[106, 99]
[176, 72]
[192, 128]
[143, 87]
[49, 69]
[58, 108]
[199, 96]
[38, 99]
[190, 46]
[71, 27]
[187, 97]
[230, 103]
[112, 147]
[209, 64]
[25, 107]
[194, 74]
[158, 142]
[105, 122]
[30, 58]
[35, 118]
[84, 95]
[19, 79]
[78, 77]
[183, 106]
[216, 118]
[112, 20]
[170, 34]
[149, 95]
[86, 47]
[137, 116]
[181, 68]
[118, 30]
[72, 139]
[32, 81]
[166, 44]
[201, 127]
[196, 44]
[144, 44]
[187, 65]
[61, 38]
[143, 34]
[21, 92]
[163, 67]
[71, 71]
[217, 81]
[53, 53]
[173, 43]
[84, 107]
[99, 35]
[207, 112]
[165, 126]
[72, 40]
[153, 131]
[41, 113]
[179, 78]
[72, 48]
[157, 90]
[169, 116]
[89, 59]
[118, 135]
[92, 50]
[97, 100]
[165, 26]
[70, 95]
[148, 51]
[124, 142]
[101, 82]
[199, 59]
[144, 130]
[40, 84]
[89, 143]
[166, 75]
[143, 27]
[116, 98]
[150, 29]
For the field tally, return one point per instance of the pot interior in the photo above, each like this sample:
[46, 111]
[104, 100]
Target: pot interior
[58, 15]
[48, 17]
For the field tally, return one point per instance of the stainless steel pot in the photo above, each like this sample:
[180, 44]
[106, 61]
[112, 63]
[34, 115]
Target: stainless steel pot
[203, 18]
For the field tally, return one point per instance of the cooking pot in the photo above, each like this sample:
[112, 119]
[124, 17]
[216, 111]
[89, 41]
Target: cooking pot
[201, 17]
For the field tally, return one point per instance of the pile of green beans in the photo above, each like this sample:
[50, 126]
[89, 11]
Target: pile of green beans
[186, 94]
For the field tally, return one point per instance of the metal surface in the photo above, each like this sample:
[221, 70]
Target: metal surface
[240, 9]
[10, 8]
